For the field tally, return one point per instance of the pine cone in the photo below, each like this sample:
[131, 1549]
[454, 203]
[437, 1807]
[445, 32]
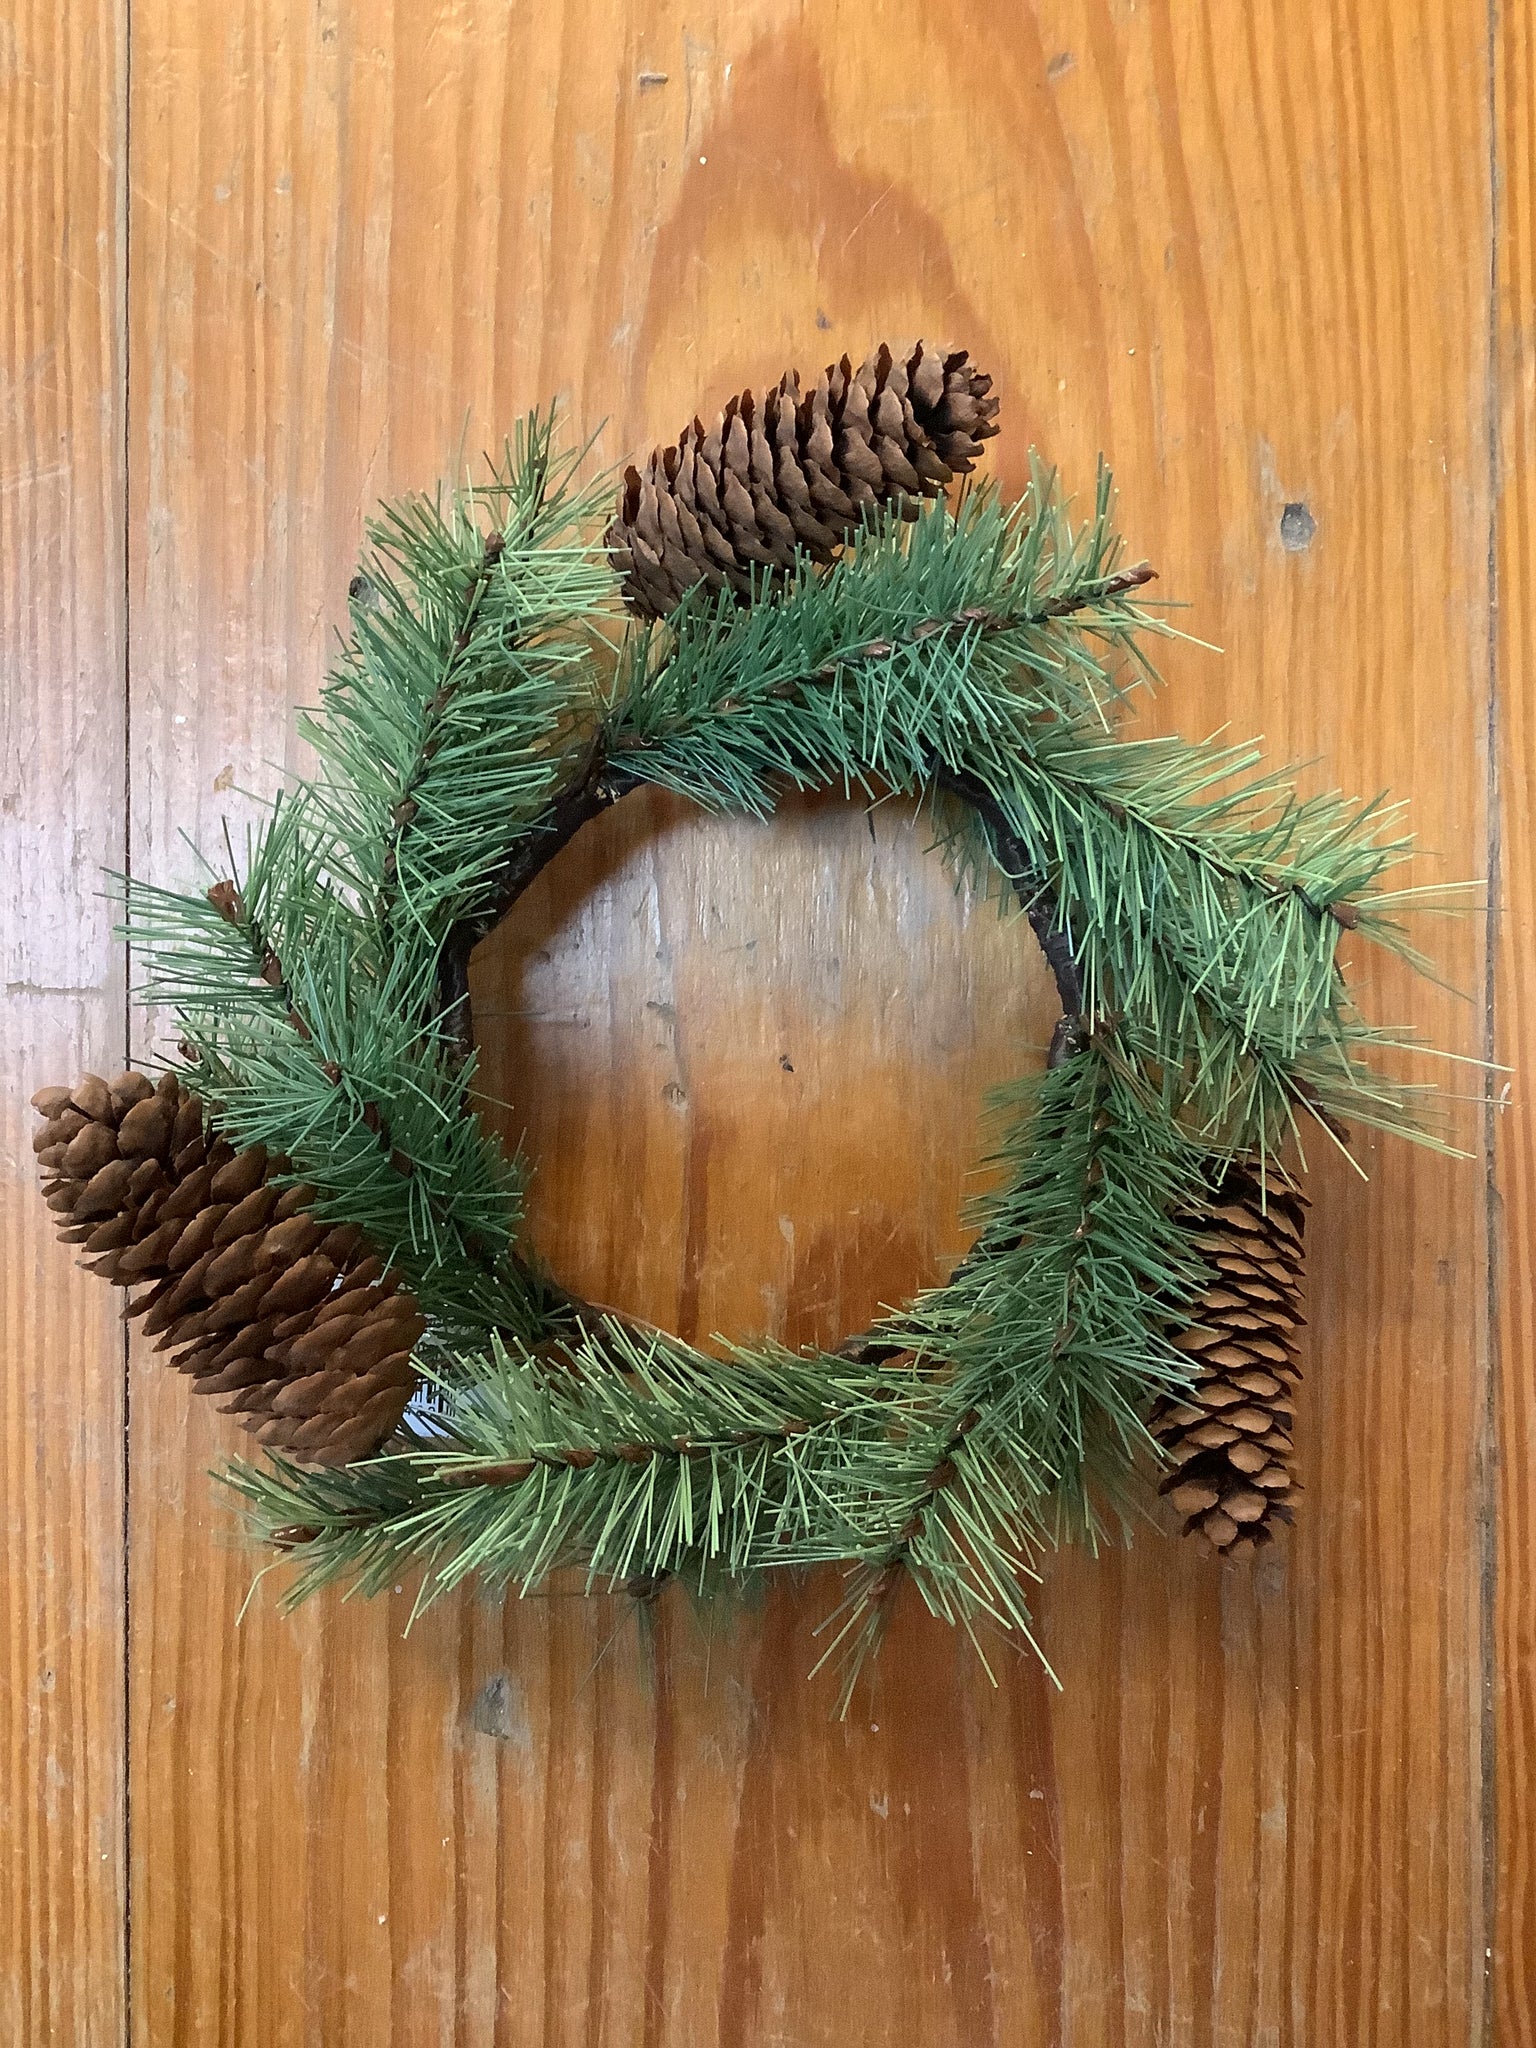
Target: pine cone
[293, 1320]
[1229, 1444]
[796, 472]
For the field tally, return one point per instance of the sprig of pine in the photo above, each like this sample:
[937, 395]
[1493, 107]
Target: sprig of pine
[443, 727]
[633, 1457]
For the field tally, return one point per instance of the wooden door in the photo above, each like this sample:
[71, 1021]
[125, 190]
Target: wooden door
[272, 261]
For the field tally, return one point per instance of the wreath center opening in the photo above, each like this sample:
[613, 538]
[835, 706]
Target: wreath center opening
[748, 1061]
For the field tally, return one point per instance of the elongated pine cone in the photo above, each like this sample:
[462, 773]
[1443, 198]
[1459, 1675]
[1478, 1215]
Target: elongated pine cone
[293, 1321]
[796, 471]
[1229, 1443]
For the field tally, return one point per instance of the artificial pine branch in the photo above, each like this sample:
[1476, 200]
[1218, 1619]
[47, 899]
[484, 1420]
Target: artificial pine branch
[1039, 1351]
[361, 1097]
[633, 1458]
[225, 898]
[407, 806]
[443, 723]
[845, 1484]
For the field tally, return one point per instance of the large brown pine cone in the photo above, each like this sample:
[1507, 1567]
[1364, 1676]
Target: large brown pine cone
[294, 1321]
[796, 471]
[1229, 1443]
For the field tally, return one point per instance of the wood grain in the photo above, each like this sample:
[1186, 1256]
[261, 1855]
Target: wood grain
[62, 1718]
[1512, 1641]
[1246, 249]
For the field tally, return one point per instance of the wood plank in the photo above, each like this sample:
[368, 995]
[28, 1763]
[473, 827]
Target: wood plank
[1243, 248]
[1514, 1981]
[62, 1716]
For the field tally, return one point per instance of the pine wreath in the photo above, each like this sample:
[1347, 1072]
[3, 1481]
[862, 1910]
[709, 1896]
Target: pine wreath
[318, 1228]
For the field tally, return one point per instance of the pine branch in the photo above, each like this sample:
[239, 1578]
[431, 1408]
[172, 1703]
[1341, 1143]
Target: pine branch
[406, 806]
[363, 1102]
[637, 1459]
[226, 899]
[446, 720]
[1043, 1353]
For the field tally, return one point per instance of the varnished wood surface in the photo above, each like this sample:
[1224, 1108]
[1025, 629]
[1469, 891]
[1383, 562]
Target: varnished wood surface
[62, 815]
[1260, 255]
[1511, 1643]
